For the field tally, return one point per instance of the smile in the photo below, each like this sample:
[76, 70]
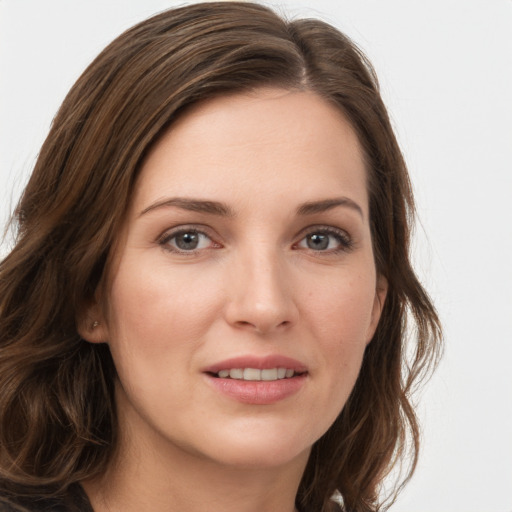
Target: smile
[255, 374]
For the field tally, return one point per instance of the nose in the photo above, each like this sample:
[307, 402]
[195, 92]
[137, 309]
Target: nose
[261, 295]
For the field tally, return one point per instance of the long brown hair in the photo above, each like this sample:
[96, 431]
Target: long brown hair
[57, 412]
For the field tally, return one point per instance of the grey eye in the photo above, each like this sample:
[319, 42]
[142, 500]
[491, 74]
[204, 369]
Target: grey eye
[188, 241]
[323, 241]
[318, 241]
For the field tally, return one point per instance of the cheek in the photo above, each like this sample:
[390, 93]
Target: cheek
[155, 306]
[341, 310]
[340, 317]
[157, 321]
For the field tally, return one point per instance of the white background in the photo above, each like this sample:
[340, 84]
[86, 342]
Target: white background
[446, 73]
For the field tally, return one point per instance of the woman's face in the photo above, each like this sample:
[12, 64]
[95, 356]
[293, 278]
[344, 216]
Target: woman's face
[246, 255]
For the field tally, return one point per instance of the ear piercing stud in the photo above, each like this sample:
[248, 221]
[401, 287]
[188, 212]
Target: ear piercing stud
[95, 324]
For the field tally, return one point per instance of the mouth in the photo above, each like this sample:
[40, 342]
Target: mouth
[256, 374]
[257, 380]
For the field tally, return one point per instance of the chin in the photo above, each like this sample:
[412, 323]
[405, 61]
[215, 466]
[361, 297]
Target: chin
[260, 447]
[267, 457]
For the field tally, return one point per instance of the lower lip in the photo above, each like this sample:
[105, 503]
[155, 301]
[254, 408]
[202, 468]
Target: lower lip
[258, 392]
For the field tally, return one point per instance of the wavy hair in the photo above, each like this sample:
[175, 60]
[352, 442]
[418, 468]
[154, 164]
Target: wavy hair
[57, 412]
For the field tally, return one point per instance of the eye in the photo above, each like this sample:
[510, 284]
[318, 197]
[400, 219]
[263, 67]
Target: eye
[186, 240]
[326, 240]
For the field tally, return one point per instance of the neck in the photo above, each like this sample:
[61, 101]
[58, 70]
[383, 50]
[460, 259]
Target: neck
[163, 477]
[194, 488]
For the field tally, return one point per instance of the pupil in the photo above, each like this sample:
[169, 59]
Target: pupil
[317, 241]
[187, 241]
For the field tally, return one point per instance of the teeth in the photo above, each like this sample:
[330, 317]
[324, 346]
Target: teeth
[236, 373]
[252, 374]
[268, 374]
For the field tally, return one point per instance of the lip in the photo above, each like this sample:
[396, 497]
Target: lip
[259, 363]
[257, 392]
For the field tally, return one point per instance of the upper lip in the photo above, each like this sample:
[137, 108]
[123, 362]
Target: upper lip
[257, 362]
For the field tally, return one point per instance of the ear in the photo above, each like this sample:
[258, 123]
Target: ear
[381, 291]
[91, 324]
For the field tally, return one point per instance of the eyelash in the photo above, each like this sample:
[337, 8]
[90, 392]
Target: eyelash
[341, 236]
[165, 239]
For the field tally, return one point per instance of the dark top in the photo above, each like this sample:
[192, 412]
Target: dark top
[75, 500]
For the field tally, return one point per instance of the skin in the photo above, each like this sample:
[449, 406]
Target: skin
[256, 284]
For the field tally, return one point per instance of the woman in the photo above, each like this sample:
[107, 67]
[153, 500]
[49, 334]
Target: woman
[206, 304]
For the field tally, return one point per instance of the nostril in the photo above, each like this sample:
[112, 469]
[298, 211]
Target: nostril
[260, 316]
[244, 323]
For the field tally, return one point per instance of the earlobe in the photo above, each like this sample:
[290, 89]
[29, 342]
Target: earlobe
[91, 325]
[381, 291]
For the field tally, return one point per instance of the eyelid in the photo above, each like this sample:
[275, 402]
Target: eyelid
[170, 233]
[345, 240]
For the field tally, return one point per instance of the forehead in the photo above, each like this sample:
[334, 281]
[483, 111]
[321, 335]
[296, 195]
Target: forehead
[269, 142]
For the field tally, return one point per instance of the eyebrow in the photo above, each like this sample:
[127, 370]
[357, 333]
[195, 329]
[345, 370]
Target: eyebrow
[313, 207]
[223, 210]
[193, 205]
